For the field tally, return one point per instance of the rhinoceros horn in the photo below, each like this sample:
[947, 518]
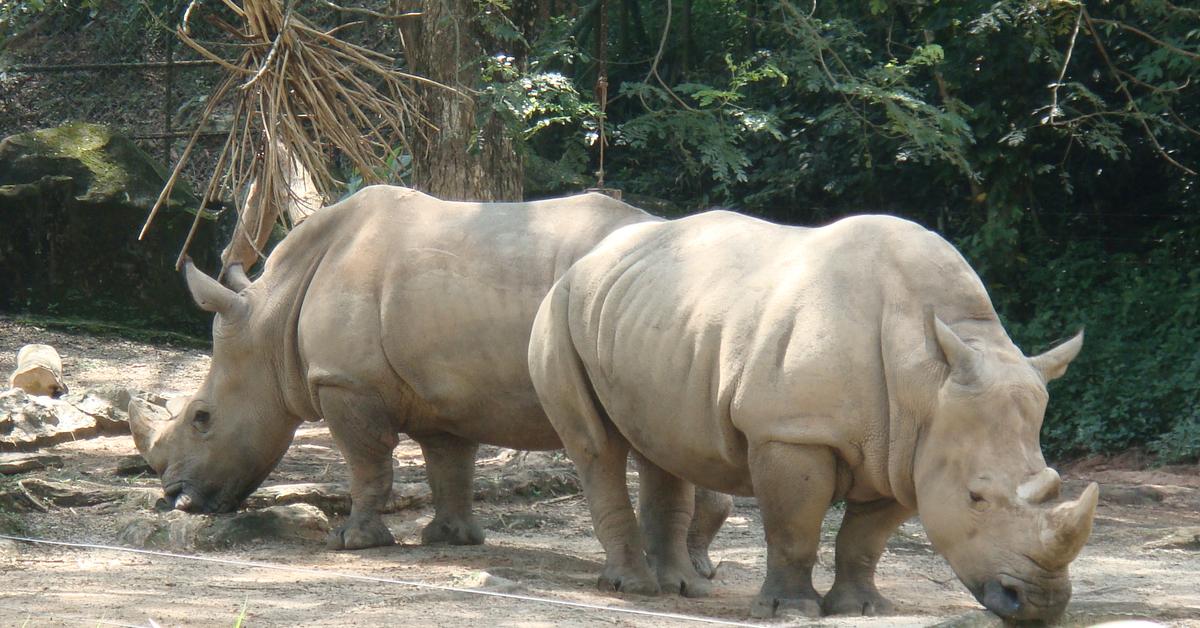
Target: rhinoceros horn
[146, 430]
[962, 359]
[236, 277]
[1065, 528]
[210, 295]
[1040, 488]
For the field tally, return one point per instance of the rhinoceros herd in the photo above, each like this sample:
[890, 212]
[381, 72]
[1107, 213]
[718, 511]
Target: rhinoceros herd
[861, 361]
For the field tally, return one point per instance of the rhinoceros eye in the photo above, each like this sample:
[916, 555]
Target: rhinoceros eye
[201, 419]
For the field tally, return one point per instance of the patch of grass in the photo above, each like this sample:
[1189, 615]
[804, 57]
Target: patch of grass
[241, 618]
[93, 327]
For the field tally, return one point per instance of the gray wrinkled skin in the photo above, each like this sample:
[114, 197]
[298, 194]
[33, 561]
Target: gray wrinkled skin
[391, 312]
[859, 361]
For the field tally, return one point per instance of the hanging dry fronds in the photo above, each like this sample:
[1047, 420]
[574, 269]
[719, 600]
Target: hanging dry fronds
[300, 92]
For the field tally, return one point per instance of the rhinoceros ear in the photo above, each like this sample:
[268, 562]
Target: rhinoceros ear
[962, 359]
[1053, 363]
[210, 295]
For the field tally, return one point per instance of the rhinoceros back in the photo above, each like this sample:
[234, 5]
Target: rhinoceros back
[719, 328]
[432, 301]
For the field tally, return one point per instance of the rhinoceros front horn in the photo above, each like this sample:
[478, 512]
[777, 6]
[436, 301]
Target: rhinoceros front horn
[210, 295]
[146, 423]
[1065, 529]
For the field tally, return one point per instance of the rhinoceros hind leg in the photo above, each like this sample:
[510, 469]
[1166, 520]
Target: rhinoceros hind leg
[361, 426]
[450, 466]
[712, 508]
[665, 506]
[602, 473]
[794, 486]
[598, 450]
[860, 542]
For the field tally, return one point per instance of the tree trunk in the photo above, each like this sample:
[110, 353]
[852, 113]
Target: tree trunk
[458, 161]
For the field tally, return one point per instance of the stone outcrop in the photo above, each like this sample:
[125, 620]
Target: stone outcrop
[72, 201]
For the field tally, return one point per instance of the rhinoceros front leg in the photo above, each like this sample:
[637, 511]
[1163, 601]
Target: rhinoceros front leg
[361, 426]
[709, 514]
[450, 466]
[860, 542]
[665, 507]
[794, 486]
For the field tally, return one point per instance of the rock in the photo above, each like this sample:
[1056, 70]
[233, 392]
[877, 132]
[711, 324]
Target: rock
[83, 494]
[14, 498]
[487, 581]
[1181, 538]
[73, 200]
[176, 530]
[134, 464]
[291, 522]
[21, 463]
[333, 498]
[30, 422]
[1131, 495]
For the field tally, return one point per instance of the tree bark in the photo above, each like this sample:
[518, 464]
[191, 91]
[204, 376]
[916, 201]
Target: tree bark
[459, 161]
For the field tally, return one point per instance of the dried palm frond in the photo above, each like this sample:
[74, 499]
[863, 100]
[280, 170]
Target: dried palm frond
[300, 93]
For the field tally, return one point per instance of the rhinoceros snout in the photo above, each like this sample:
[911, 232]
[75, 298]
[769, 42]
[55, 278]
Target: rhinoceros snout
[1014, 599]
[1002, 600]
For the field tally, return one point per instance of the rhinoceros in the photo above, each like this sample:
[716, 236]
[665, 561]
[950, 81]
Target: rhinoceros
[390, 312]
[861, 361]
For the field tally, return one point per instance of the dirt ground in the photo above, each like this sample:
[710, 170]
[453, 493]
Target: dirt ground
[538, 545]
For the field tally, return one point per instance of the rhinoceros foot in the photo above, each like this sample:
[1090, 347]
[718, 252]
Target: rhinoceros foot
[684, 581]
[360, 534]
[701, 561]
[856, 600]
[637, 582]
[766, 605]
[452, 532]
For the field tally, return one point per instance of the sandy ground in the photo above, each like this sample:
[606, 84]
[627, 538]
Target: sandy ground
[542, 544]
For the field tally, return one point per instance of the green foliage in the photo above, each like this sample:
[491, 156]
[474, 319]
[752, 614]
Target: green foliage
[1135, 381]
[1052, 141]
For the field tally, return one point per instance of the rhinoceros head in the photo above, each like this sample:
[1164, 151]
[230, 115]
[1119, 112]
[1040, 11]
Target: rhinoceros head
[984, 492]
[222, 442]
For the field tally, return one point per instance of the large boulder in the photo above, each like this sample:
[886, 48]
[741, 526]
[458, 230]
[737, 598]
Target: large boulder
[72, 201]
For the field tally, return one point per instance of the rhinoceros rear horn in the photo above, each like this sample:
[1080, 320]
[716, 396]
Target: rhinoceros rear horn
[210, 295]
[236, 277]
[962, 359]
[1065, 529]
[1053, 363]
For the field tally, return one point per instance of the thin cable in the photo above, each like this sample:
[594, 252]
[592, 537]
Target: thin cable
[407, 583]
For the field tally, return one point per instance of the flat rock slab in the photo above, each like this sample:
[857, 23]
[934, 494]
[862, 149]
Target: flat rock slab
[176, 530]
[32, 422]
[1181, 538]
[333, 498]
[11, 464]
[39, 495]
[1131, 495]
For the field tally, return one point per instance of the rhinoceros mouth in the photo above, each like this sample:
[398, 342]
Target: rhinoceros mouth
[1016, 598]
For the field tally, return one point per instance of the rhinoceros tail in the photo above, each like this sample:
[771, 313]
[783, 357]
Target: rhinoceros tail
[559, 375]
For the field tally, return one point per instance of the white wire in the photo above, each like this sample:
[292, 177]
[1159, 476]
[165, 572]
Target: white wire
[407, 583]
